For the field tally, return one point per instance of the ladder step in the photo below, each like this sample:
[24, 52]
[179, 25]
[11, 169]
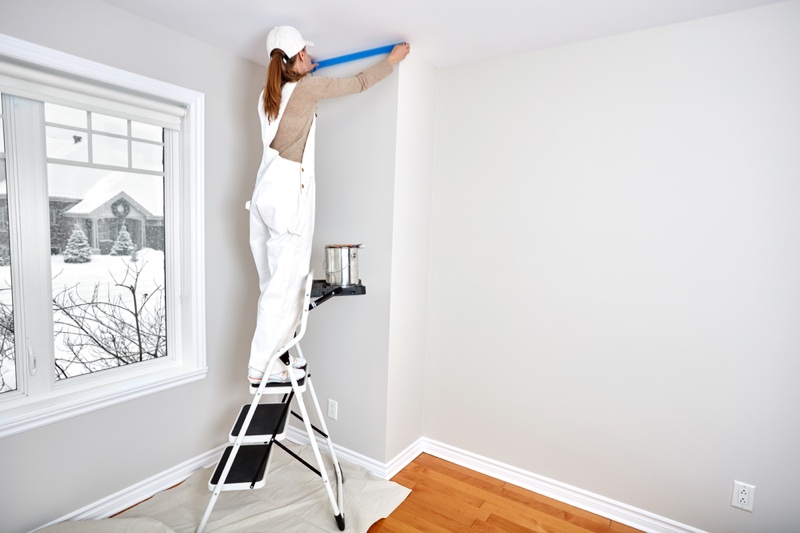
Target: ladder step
[281, 388]
[263, 425]
[249, 470]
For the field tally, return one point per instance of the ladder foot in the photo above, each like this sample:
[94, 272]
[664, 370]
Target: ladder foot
[340, 521]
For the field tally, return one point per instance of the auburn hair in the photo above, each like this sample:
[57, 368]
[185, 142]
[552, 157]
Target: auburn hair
[280, 71]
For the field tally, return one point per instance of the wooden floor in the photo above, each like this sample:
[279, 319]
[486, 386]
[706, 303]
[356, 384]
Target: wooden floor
[448, 498]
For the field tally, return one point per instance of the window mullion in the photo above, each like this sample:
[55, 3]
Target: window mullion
[90, 137]
[29, 227]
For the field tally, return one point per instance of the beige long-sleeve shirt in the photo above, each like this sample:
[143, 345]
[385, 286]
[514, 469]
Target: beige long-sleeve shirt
[290, 139]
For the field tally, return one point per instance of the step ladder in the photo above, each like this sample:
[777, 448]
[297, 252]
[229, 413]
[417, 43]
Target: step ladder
[259, 427]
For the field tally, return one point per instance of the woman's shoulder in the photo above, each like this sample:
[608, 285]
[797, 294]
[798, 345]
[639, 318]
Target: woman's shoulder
[313, 81]
[313, 86]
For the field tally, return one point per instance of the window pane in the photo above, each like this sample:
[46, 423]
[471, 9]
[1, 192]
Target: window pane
[109, 124]
[147, 132]
[109, 151]
[148, 156]
[108, 269]
[66, 116]
[8, 372]
[70, 145]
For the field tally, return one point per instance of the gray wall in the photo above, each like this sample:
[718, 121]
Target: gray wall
[626, 213]
[57, 469]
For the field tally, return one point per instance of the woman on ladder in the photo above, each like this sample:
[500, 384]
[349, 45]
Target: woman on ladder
[282, 206]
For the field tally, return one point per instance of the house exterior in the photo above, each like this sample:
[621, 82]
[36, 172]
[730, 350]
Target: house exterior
[102, 208]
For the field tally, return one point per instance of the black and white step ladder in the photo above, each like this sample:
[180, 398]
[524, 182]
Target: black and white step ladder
[259, 427]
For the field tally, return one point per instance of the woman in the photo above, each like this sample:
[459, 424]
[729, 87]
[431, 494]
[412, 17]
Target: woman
[282, 207]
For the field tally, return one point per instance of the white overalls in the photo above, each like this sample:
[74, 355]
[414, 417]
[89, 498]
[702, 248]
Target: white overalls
[281, 231]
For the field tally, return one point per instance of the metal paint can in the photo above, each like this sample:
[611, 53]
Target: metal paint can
[341, 264]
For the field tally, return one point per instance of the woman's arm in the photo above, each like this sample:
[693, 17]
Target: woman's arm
[332, 87]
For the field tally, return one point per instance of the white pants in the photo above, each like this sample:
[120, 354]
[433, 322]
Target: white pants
[281, 232]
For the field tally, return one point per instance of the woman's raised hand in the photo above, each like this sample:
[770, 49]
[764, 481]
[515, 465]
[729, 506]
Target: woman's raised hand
[399, 53]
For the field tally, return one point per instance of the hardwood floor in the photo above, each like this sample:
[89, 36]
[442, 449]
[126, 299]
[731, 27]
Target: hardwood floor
[447, 498]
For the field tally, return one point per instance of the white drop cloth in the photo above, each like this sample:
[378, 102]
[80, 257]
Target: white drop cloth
[293, 500]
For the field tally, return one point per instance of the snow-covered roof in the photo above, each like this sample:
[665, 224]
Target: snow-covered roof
[147, 192]
[71, 183]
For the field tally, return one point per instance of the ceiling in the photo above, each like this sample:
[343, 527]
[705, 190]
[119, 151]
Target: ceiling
[445, 32]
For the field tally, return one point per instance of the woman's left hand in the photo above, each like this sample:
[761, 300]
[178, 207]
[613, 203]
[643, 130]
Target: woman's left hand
[399, 53]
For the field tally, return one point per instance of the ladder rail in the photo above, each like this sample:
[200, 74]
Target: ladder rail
[323, 471]
[256, 399]
[337, 468]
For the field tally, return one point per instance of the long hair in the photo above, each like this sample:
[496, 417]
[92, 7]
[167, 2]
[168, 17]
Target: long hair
[280, 71]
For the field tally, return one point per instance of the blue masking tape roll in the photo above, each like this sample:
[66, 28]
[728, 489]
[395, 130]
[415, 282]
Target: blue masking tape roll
[352, 57]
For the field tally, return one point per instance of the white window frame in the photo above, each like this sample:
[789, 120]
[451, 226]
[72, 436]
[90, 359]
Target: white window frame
[39, 401]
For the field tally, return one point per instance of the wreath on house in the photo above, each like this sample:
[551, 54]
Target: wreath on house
[121, 208]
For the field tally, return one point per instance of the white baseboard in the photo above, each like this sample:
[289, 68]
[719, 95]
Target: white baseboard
[406, 456]
[606, 507]
[143, 490]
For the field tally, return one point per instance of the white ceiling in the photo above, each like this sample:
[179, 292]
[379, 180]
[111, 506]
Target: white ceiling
[445, 32]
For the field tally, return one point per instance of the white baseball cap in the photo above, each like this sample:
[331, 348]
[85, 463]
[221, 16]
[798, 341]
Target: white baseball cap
[287, 39]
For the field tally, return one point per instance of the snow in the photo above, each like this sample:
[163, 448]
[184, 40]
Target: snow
[102, 270]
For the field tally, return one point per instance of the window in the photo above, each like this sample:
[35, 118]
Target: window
[109, 305]
[101, 280]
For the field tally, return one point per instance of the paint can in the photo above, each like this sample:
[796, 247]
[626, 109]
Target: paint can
[341, 264]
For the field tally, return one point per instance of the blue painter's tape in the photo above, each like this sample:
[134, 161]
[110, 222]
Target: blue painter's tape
[352, 57]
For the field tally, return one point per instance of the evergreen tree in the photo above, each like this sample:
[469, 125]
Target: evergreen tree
[5, 255]
[78, 250]
[124, 244]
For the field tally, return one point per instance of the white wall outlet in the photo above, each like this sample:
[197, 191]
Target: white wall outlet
[743, 496]
[333, 410]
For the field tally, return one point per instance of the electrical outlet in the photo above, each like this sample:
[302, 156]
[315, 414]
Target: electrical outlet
[743, 496]
[333, 409]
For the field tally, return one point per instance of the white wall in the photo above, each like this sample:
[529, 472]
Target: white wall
[57, 469]
[614, 297]
[416, 114]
